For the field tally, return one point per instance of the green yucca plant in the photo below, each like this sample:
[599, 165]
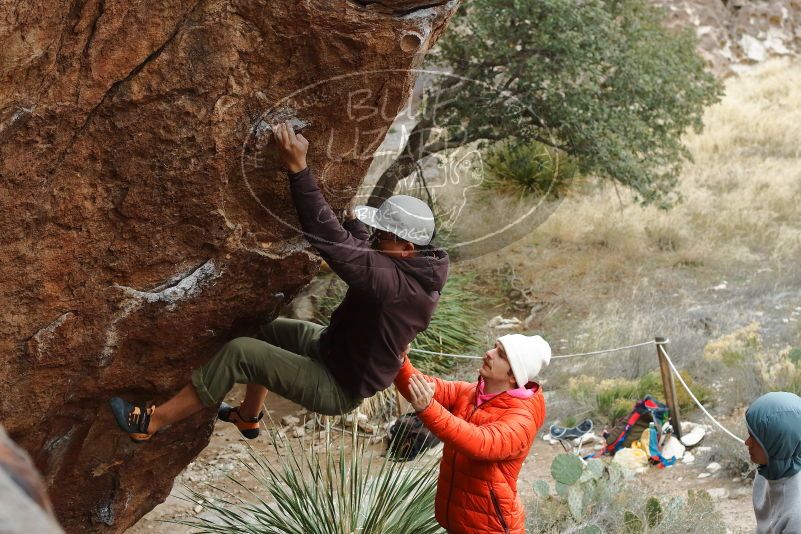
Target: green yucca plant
[455, 327]
[333, 489]
[530, 168]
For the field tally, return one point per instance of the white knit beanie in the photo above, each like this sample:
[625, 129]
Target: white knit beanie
[527, 356]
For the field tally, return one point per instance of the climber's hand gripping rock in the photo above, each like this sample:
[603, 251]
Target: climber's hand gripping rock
[292, 147]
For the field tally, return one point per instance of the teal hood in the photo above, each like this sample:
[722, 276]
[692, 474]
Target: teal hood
[774, 419]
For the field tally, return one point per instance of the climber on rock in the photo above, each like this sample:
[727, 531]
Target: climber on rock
[394, 279]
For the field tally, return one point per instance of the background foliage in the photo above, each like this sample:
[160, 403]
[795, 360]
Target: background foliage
[602, 80]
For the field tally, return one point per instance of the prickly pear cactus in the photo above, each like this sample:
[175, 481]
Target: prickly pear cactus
[653, 512]
[632, 524]
[541, 488]
[593, 470]
[567, 469]
[575, 502]
[616, 473]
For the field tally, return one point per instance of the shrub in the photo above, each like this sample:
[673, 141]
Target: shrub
[612, 399]
[793, 384]
[735, 347]
[606, 82]
[744, 368]
[731, 455]
[794, 355]
[665, 237]
[531, 168]
[759, 370]
[787, 373]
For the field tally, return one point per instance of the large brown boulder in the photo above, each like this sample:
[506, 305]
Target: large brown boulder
[144, 218]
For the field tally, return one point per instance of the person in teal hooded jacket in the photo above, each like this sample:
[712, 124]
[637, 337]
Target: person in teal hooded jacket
[774, 443]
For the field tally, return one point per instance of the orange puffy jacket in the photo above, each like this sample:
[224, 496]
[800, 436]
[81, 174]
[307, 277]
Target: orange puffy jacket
[484, 449]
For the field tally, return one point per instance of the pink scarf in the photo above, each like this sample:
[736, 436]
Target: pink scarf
[518, 393]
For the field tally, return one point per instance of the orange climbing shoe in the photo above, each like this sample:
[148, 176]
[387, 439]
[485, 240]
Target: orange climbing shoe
[132, 419]
[249, 427]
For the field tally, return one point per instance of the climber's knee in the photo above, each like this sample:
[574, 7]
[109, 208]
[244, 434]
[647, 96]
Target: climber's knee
[240, 355]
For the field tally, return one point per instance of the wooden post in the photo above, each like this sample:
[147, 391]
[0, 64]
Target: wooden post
[669, 386]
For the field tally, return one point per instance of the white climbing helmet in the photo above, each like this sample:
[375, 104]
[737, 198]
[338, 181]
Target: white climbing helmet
[407, 217]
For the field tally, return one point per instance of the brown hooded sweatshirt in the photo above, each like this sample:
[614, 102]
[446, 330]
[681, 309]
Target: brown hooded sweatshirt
[389, 301]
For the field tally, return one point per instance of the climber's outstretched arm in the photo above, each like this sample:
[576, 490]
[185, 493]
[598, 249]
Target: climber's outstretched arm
[349, 256]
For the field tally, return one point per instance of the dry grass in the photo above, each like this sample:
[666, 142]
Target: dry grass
[741, 205]
[742, 197]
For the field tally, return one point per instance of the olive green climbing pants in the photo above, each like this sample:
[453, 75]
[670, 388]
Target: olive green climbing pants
[285, 358]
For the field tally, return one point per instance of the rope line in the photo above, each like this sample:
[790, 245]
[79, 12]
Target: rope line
[434, 353]
[697, 402]
[616, 349]
[557, 357]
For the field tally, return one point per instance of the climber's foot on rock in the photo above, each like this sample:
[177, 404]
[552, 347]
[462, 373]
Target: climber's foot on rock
[248, 426]
[133, 419]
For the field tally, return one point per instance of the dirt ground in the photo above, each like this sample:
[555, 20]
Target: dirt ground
[227, 451]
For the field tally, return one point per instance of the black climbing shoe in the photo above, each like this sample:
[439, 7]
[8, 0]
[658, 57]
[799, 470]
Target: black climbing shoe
[249, 427]
[132, 419]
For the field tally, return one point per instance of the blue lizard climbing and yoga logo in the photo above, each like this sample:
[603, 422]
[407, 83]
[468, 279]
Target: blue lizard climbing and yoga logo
[429, 163]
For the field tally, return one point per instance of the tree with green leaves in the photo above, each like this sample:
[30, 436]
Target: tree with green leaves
[604, 81]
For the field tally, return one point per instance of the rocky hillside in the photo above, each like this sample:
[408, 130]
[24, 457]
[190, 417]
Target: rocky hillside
[738, 33]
